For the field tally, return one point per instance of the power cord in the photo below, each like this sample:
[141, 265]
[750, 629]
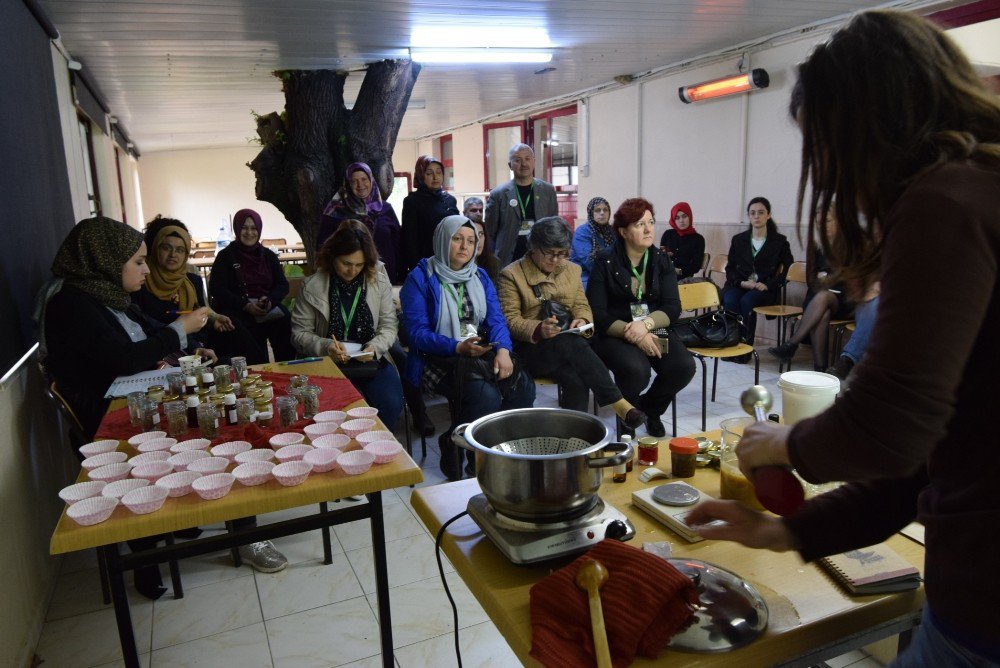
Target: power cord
[437, 555]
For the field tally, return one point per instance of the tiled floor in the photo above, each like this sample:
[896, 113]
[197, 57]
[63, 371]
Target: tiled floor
[316, 615]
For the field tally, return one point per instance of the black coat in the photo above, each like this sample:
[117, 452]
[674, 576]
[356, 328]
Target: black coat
[422, 211]
[609, 288]
[226, 287]
[87, 348]
[688, 251]
[771, 263]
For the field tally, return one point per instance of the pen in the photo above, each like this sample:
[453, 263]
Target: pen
[302, 361]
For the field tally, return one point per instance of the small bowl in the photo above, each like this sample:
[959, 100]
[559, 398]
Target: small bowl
[355, 427]
[118, 489]
[145, 436]
[330, 416]
[182, 460]
[230, 449]
[372, 436]
[156, 444]
[98, 447]
[81, 490]
[103, 459]
[338, 441]
[255, 455]
[281, 440]
[292, 453]
[322, 459]
[213, 486]
[191, 444]
[178, 484]
[384, 451]
[362, 412]
[209, 465]
[145, 500]
[355, 462]
[111, 472]
[152, 471]
[290, 474]
[94, 510]
[320, 429]
[253, 473]
[147, 457]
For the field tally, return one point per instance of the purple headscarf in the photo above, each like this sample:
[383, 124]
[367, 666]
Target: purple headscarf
[254, 269]
[371, 205]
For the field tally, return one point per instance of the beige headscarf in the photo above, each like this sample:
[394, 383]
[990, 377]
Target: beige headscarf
[171, 286]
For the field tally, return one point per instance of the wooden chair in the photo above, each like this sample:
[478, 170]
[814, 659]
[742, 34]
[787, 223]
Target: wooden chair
[706, 258]
[717, 265]
[781, 311]
[695, 296]
[274, 242]
[203, 253]
[204, 244]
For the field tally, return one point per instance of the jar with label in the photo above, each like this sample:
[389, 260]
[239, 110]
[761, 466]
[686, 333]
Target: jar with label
[155, 392]
[239, 367]
[150, 415]
[208, 421]
[267, 387]
[175, 383]
[649, 450]
[219, 402]
[230, 401]
[683, 453]
[136, 407]
[176, 413]
[309, 396]
[265, 412]
[287, 410]
[191, 406]
[223, 376]
[244, 411]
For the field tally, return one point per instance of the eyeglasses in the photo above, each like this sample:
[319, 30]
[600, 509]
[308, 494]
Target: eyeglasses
[173, 250]
[555, 255]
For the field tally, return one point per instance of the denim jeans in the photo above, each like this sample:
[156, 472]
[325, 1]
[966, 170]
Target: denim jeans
[743, 302]
[480, 397]
[931, 648]
[384, 392]
[864, 321]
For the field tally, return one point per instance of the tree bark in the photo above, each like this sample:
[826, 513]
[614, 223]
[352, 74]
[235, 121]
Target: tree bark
[305, 152]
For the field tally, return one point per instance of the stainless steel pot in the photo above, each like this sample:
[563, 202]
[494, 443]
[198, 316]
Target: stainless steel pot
[540, 487]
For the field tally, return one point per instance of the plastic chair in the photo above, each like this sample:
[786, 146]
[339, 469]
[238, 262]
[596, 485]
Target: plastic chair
[781, 311]
[695, 296]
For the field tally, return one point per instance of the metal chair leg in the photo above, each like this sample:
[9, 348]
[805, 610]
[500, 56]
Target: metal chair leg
[234, 551]
[715, 377]
[102, 569]
[756, 368]
[673, 406]
[704, 393]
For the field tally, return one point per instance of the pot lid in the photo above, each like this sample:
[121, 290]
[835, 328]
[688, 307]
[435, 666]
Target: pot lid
[730, 614]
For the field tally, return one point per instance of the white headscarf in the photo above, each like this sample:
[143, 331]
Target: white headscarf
[448, 321]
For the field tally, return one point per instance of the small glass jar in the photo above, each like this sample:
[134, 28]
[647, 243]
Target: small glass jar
[649, 450]
[239, 365]
[246, 385]
[254, 378]
[223, 375]
[244, 411]
[267, 387]
[167, 398]
[155, 392]
[208, 421]
[683, 453]
[265, 412]
[136, 406]
[288, 411]
[203, 395]
[176, 413]
[175, 383]
[207, 378]
[190, 385]
[150, 414]
[732, 483]
[298, 380]
[309, 396]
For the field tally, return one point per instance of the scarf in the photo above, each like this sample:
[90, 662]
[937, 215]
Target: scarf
[605, 232]
[686, 208]
[91, 258]
[171, 286]
[254, 271]
[346, 204]
[423, 162]
[342, 297]
[449, 323]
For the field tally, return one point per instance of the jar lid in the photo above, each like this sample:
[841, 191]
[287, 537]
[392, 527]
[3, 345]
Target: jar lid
[649, 441]
[684, 446]
[154, 388]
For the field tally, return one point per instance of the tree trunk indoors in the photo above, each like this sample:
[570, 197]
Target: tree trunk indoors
[309, 145]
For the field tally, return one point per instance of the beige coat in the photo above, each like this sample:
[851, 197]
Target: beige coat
[521, 307]
[311, 314]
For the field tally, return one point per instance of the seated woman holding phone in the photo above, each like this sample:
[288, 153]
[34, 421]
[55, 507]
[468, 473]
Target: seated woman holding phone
[460, 346]
[542, 296]
[349, 299]
[633, 291]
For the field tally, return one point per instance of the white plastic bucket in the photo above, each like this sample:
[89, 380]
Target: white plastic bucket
[806, 393]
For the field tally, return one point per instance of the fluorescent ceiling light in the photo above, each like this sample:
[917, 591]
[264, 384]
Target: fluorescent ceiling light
[494, 55]
[457, 36]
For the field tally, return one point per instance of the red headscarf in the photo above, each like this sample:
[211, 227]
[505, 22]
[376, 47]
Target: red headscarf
[686, 208]
[254, 269]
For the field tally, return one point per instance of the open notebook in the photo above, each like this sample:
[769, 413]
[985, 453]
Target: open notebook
[872, 570]
[139, 382]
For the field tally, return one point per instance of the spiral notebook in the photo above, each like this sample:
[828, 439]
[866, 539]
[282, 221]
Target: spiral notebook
[872, 570]
[139, 382]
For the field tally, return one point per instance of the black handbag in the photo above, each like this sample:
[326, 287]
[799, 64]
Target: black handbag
[552, 309]
[718, 329]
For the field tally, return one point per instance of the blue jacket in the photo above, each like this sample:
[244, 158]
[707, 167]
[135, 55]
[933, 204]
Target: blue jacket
[583, 244]
[421, 304]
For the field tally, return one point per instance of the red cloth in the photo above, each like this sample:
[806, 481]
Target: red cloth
[336, 393]
[645, 602]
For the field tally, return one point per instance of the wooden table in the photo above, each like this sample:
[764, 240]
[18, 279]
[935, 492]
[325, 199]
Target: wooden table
[811, 617]
[191, 511]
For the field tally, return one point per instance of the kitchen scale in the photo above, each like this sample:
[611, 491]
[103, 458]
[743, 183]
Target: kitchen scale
[528, 542]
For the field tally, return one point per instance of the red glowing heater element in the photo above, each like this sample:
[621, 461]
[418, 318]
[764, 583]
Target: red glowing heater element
[741, 83]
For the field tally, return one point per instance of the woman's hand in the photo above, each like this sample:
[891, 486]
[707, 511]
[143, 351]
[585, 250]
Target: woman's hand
[222, 323]
[207, 353]
[253, 309]
[337, 352]
[731, 520]
[579, 322]
[371, 353]
[470, 347]
[649, 345]
[635, 331]
[550, 327]
[748, 285]
[760, 286]
[195, 320]
[763, 444]
[503, 366]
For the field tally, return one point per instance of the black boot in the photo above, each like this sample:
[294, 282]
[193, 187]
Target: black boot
[451, 463]
[785, 351]
[842, 367]
[415, 402]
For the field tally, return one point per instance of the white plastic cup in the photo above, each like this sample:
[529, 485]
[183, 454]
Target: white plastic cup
[806, 393]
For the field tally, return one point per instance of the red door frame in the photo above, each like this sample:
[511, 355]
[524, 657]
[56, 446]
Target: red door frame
[553, 113]
[486, 145]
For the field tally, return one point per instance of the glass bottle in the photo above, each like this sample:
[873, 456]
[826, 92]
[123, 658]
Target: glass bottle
[620, 472]
[230, 401]
[208, 421]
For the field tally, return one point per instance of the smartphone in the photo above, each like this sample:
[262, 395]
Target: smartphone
[664, 344]
[491, 344]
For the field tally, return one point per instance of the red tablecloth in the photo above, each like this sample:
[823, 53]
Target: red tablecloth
[336, 393]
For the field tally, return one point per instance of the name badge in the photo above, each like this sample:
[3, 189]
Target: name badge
[639, 310]
[525, 227]
[753, 277]
[468, 330]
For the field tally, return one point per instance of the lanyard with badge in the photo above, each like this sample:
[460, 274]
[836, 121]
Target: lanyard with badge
[753, 253]
[639, 308]
[467, 328]
[348, 318]
[523, 206]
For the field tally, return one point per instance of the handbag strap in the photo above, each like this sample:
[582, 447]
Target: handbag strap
[534, 288]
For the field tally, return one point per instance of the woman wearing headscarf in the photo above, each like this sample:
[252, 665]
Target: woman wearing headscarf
[349, 298]
[593, 238]
[423, 209]
[247, 284]
[171, 289]
[453, 316]
[682, 243]
[360, 199]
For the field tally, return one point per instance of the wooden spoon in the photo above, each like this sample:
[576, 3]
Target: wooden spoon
[590, 577]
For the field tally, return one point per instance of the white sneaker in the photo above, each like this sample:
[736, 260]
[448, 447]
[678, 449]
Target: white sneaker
[263, 556]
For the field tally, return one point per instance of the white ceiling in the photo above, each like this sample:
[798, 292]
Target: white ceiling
[187, 73]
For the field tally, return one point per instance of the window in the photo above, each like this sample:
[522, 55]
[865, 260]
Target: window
[553, 137]
[400, 189]
[497, 140]
[89, 166]
[447, 153]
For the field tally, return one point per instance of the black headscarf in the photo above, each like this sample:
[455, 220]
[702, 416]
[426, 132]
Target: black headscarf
[91, 258]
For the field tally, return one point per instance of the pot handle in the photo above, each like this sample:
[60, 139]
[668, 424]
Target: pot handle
[623, 453]
[458, 437]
